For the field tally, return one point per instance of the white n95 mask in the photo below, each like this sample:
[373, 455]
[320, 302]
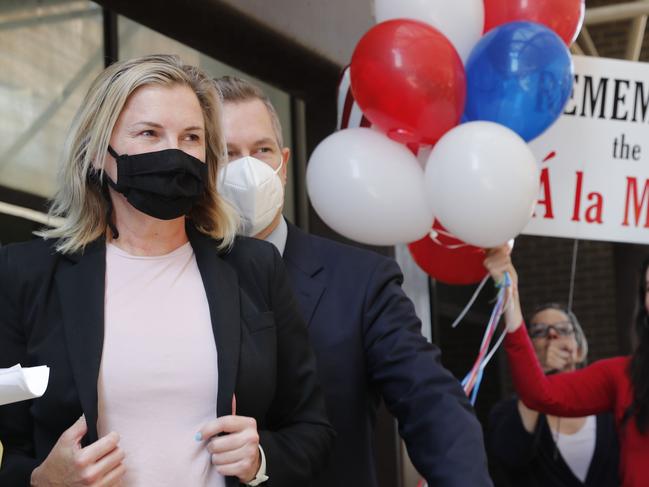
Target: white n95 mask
[255, 190]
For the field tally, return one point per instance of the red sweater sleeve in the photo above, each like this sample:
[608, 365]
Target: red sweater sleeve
[590, 390]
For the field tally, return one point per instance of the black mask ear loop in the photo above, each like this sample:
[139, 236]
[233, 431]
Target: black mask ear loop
[106, 193]
[112, 152]
[93, 177]
[109, 211]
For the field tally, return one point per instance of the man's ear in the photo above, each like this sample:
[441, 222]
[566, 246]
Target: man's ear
[286, 155]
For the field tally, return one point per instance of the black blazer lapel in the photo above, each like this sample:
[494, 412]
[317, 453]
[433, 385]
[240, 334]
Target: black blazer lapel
[222, 290]
[605, 442]
[81, 290]
[305, 271]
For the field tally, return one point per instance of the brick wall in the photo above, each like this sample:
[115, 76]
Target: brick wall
[544, 265]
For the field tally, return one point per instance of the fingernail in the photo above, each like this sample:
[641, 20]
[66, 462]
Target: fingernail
[213, 459]
[198, 436]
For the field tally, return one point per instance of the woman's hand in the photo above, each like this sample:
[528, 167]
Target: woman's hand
[237, 453]
[559, 356]
[70, 465]
[497, 262]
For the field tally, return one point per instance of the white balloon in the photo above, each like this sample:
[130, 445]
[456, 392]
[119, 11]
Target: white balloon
[461, 21]
[482, 181]
[368, 188]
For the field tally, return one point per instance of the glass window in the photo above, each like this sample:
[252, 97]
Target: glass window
[50, 50]
[137, 40]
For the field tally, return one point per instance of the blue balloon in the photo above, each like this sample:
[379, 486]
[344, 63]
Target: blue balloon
[520, 75]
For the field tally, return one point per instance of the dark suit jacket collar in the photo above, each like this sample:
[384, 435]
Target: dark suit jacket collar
[81, 290]
[222, 289]
[300, 251]
[306, 269]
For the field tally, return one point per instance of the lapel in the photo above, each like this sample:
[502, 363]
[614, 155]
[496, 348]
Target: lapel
[305, 268]
[222, 291]
[81, 289]
[560, 465]
[602, 446]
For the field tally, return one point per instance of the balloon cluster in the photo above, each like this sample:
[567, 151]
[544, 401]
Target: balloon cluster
[473, 80]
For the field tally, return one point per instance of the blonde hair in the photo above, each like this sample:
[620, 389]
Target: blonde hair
[237, 90]
[81, 202]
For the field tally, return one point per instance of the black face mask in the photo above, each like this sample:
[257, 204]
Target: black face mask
[164, 184]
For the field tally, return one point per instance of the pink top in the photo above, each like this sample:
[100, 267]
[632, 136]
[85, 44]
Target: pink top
[600, 387]
[158, 377]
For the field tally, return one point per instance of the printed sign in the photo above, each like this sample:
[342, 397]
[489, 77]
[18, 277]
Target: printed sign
[595, 159]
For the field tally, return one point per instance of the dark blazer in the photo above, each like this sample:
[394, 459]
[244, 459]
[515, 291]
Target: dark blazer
[527, 459]
[52, 313]
[369, 346]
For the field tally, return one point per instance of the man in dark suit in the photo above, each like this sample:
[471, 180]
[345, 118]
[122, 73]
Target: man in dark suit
[363, 328]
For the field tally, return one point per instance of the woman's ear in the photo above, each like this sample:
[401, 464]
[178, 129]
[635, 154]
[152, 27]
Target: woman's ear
[581, 355]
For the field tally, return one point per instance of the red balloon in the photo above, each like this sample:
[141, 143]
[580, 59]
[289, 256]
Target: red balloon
[563, 16]
[448, 259]
[409, 81]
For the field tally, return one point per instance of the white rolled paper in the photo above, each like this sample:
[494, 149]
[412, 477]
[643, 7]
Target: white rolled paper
[20, 384]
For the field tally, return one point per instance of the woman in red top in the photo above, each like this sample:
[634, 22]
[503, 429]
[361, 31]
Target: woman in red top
[619, 385]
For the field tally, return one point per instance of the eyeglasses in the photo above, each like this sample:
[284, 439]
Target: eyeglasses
[542, 330]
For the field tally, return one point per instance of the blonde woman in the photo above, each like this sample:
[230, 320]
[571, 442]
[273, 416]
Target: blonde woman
[177, 354]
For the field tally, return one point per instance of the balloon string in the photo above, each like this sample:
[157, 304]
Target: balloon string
[472, 377]
[472, 381]
[435, 232]
[470, 303]
[446, 234]
[446, 246]
[573, 271]
[468, 381]
[494, 348]
[474, 393]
